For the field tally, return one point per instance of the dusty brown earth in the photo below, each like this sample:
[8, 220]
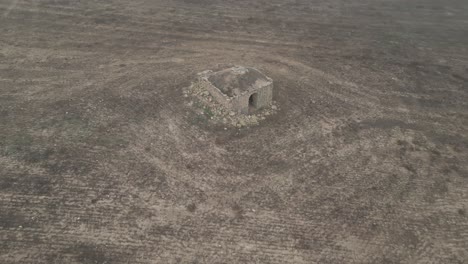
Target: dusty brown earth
[102, 161]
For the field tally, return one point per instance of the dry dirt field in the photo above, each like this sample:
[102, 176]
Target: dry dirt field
[102, 161]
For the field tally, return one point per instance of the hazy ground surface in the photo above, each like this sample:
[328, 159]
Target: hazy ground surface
[101, 160]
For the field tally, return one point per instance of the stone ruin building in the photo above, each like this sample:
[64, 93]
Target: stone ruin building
[239, 89]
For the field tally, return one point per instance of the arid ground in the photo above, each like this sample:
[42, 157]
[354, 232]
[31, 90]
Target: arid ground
[103, 161]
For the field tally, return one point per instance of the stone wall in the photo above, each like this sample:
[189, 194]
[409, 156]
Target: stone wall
[217, 94]
[265, 96]
[264, 99]
[240, 104]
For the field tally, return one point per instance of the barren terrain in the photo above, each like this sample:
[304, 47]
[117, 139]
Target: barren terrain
[102, 160]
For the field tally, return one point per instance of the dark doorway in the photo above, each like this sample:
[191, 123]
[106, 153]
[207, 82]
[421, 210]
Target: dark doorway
[253, 102]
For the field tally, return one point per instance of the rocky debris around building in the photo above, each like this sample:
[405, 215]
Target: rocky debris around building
[201, 99]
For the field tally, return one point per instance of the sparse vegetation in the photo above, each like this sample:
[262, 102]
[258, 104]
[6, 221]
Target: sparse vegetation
[461, 211]
[208, 112]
